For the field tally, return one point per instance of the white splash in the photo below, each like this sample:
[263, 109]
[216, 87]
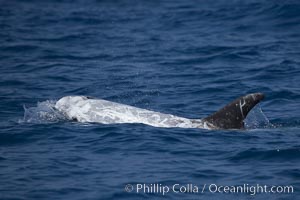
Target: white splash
[44, 112]
[83, 109]
[257, 119]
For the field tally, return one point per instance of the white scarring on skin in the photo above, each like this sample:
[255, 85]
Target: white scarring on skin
[242, 105]
[85, 109]
[253, 97]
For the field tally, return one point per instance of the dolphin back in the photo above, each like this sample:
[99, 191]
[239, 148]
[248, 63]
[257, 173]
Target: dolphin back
[233, 114]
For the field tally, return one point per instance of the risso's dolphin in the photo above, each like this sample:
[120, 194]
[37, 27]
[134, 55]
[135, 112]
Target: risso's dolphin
[85, 109]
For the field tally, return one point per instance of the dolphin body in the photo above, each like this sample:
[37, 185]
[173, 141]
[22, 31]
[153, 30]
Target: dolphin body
[86, 109]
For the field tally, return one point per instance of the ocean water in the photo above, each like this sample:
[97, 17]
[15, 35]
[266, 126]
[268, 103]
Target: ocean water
[187, 58]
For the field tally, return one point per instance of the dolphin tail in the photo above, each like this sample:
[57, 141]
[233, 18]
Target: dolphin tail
[232, 115]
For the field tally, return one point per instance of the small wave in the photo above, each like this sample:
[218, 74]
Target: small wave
[44, 112]
[20, 48]
[267, 155]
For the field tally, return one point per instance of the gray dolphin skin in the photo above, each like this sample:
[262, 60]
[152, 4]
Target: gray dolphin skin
[85, 109]
[233, 114]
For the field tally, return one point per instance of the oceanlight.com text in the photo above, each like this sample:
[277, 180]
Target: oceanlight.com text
[162, 189]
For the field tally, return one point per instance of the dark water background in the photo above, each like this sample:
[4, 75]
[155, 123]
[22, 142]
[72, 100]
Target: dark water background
[187, 58]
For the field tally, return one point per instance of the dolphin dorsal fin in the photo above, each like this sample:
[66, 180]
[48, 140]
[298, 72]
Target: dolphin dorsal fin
[232, 115]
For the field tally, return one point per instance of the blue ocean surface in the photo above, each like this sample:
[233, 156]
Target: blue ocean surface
[187, 58]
